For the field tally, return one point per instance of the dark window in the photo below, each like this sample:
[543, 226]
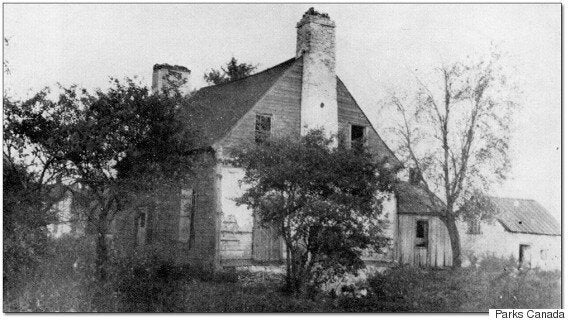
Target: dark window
[357, 136]
[474, 226]
[262, 128]
[421, 233]
[142, 220]
[524, 250]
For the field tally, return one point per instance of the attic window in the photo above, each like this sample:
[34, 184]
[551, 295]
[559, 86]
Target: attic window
[474, 227]
[262, 128]
[357, 136]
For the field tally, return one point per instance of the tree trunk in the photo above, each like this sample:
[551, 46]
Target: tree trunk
[454, 240]
[288, 277]
[102, 251]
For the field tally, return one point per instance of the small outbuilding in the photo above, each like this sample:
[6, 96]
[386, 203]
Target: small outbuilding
[521, 229]
[422, 238]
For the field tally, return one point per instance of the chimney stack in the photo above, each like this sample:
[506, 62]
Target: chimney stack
[166, 77]
[316, 46]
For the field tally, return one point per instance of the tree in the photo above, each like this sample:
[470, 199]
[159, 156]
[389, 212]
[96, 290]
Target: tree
[325, 202]
[117, 144]
[26, 214]
[30, 192]
[457, 135]
[232, 71]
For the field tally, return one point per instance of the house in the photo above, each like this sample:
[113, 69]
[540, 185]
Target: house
[520, 229]
[201, 224]
[70, 213]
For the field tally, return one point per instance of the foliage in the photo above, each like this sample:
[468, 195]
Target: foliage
[144, 283]
[325, 202]
[232, 71]
[65, 283]
[104, 143]
[497, 283]
[30, 192]
[457, 135]
[26, 212]
[56, 284]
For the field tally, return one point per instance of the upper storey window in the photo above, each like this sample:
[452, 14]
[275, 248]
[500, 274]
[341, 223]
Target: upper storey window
[474, 226]
[262, 128]
[357, 136]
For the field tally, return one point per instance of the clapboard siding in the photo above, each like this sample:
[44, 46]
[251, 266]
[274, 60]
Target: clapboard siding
[282, 102]
[349, 113]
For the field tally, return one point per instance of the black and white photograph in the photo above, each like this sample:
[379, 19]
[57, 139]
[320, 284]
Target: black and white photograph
[282, 158]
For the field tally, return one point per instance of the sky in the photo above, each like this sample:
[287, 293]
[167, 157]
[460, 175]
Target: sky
[379, 48]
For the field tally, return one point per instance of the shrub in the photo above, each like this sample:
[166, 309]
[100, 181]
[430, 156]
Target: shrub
[496, 284]
[58, 282]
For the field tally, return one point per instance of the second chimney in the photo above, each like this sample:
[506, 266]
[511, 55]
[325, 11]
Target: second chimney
[165, 77]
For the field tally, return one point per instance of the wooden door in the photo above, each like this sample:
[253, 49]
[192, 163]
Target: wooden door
[266, 245]
[421, 243]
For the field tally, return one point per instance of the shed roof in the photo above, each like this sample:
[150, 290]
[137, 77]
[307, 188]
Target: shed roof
[414, 199]
[525, 216]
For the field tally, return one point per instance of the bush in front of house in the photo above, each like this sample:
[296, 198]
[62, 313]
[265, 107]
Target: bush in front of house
[322, 198]
[58, 282]
[496, 283]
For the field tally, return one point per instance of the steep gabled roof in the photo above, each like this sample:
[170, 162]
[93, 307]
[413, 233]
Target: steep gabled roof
[216, 109]
[414, 199]
[525, 216]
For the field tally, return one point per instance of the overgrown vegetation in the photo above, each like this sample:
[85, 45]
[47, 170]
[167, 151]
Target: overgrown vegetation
[325, 202]
[101, 143]
[495, 284]
[64, 282]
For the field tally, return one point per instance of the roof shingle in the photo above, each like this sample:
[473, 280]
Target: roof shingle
[414, 199]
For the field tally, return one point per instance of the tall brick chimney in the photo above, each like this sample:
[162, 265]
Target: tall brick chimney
[316, 46]
[165, 77]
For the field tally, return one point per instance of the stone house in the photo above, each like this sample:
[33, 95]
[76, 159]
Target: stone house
[201, 224]
[521, 229]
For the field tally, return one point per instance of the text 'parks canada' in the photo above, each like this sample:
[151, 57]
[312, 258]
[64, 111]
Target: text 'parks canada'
[531, 314]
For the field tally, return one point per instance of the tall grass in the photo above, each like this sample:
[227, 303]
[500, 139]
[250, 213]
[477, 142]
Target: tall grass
[64, 281]
[496, 283]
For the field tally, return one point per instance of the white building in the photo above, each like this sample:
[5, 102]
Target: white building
[522, 229]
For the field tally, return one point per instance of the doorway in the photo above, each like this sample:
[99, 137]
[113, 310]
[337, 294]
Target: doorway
[421, 243]
[524, 255]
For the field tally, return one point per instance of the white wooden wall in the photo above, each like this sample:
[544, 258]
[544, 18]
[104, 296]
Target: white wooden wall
[438, 251]
[494, 240]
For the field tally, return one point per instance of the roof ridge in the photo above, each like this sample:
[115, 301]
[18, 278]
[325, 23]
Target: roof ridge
[253, 75]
